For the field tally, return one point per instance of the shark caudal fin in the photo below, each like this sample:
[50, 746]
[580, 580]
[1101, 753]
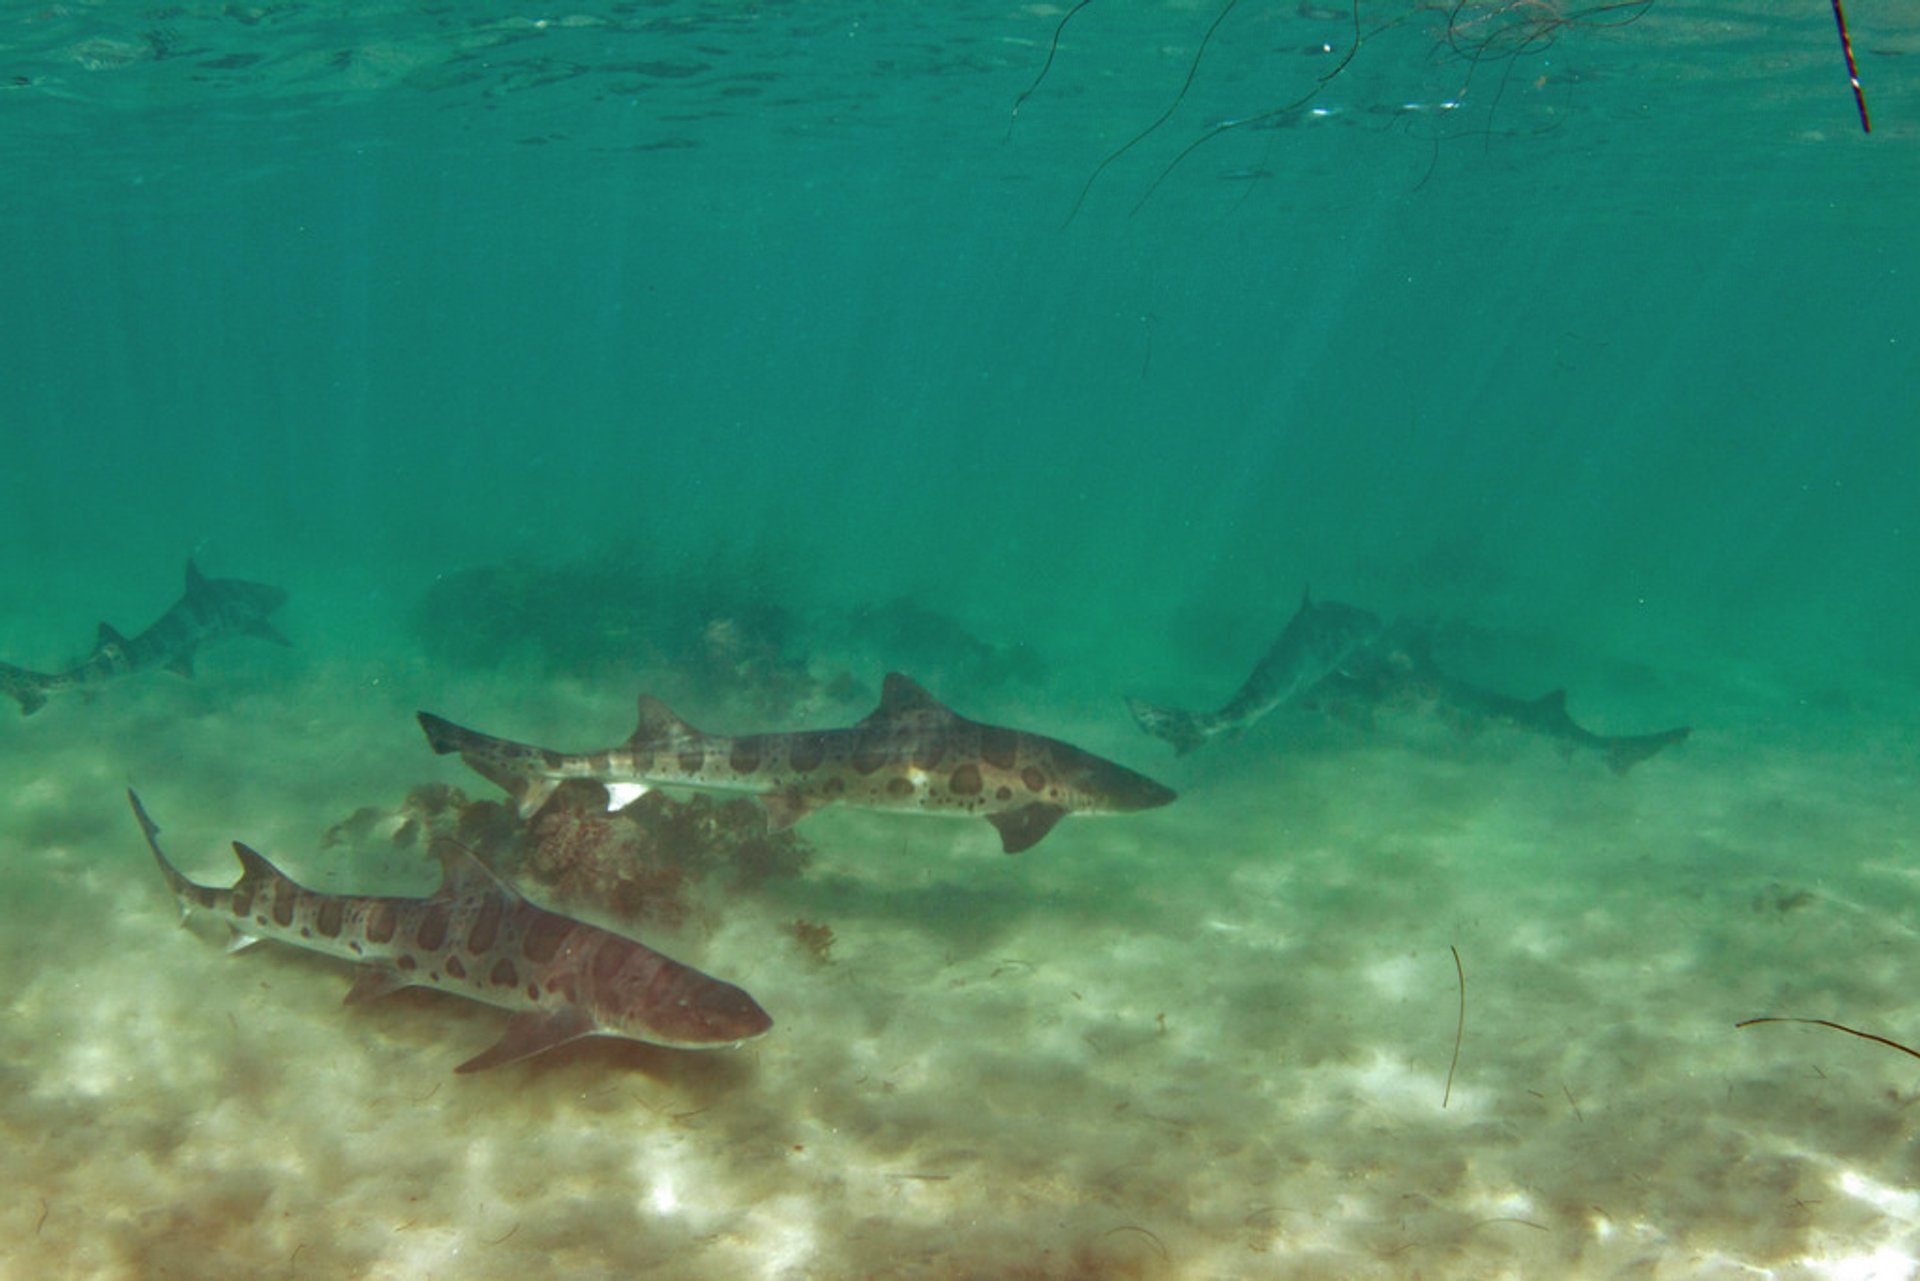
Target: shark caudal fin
[500, 761]
[23, 687]
[1185, 730]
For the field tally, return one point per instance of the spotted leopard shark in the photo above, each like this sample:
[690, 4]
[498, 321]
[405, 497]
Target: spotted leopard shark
[912, 754]
[1316, 641]
[478, 938]
[211, 609]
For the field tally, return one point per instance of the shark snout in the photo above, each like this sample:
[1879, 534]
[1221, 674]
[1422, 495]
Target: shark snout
[1123, 791]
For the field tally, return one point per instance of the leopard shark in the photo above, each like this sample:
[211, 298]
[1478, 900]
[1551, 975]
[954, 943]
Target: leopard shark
[211, 609]
[1316, 641]
[912, 754]
[1401, 670]
[478, 938]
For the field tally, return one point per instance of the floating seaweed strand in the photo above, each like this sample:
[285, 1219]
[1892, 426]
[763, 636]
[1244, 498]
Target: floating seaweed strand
[1047, 66]
[1459, 1028]
[1853, 72]
[1474, 31]
[1193, 69]
[1838, 1027]
[1507, 29]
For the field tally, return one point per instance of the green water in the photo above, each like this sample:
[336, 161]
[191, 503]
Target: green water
[1593, 335]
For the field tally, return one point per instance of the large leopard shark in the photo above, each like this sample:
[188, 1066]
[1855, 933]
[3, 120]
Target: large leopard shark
[1317, 639]
[912, 754]
[478, 938]
[210, 610]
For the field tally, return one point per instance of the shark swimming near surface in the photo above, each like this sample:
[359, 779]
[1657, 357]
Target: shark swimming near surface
[1316, 640]
[211, 609]
[912, 754]
[477, 937]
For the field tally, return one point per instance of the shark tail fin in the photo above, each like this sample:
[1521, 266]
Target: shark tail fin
[498, 760]
[175, 878]
[23, 687]
[1185, 730]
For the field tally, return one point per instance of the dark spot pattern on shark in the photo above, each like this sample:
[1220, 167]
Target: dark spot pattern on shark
[911, 754]
[579, 979]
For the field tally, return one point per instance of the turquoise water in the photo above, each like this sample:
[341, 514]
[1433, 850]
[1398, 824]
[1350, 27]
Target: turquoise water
[746, 352]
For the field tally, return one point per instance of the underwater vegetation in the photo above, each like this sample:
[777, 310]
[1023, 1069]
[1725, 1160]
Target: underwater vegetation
[729, 627]
[939, 648]
[720, 625]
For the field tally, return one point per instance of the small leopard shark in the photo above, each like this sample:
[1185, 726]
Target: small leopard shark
[1402, 670]
[1318, 638]
[211, 609]
[912, 754]
[478, 938]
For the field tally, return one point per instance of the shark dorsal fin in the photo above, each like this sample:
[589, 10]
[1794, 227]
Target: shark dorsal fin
[463, 873]
[901, 695]
[108, 637]
[254, 866]
[658, 721]
[196, 581]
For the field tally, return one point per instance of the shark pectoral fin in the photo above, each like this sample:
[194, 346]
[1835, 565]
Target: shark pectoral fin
[621, 795]
[529, 1033]
[529, 792]
[182, 666]
[261, 629]
[1022, 828]
[107, 636]
[240, 940]
[784, 809]
[371, 982]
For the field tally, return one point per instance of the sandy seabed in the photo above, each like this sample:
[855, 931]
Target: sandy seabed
[1208, 1041]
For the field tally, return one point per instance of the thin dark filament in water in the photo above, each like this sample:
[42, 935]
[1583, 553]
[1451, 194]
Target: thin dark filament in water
[1853, 72]
[1193, 70]
[1536, 33]
[1046, 66]
[1459, 1028]
[1510, 29]
[1838, 1027]
[1225, 126]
